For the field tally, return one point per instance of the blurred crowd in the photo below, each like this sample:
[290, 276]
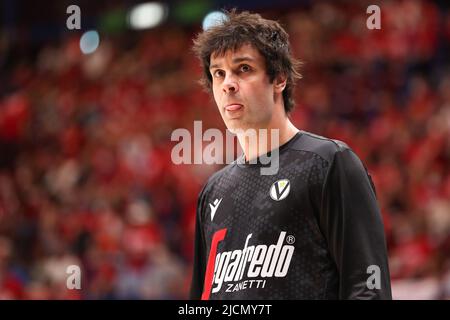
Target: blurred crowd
[86, 176]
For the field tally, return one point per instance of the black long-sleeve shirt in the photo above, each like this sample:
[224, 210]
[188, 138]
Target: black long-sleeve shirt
[311, 231]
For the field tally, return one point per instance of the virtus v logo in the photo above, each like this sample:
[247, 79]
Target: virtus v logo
[280, 189]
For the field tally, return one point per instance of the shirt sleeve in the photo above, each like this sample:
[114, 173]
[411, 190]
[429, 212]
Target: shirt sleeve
[199, 265]
[352, 224]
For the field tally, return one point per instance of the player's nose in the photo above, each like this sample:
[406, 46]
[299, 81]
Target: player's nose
[230, 85]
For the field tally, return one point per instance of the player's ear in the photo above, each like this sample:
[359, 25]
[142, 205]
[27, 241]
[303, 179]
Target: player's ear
[280, 83]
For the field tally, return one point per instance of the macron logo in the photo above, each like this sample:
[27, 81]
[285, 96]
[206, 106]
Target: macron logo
[214, 207]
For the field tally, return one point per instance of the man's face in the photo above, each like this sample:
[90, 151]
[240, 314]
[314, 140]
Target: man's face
[241, 88]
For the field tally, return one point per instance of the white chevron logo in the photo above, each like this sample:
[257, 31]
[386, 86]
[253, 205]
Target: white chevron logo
[280, 189]
[214, 207]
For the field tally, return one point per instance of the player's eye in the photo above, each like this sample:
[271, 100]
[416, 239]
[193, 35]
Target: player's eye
[218, 73]
[244, 68]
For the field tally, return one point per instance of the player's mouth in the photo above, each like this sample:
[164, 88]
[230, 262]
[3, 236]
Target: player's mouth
[233, 110]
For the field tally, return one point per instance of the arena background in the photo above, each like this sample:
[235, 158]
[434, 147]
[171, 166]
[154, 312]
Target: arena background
[86, 176]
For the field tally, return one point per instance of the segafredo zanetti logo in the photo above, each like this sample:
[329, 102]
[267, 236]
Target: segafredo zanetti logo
[246, 268]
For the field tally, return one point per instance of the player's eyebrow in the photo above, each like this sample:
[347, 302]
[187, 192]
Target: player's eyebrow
[234, 61]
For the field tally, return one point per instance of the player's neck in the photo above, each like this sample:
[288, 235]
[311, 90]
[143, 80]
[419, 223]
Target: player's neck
[268, 139]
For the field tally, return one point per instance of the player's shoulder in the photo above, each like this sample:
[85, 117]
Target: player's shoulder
[322, 146]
